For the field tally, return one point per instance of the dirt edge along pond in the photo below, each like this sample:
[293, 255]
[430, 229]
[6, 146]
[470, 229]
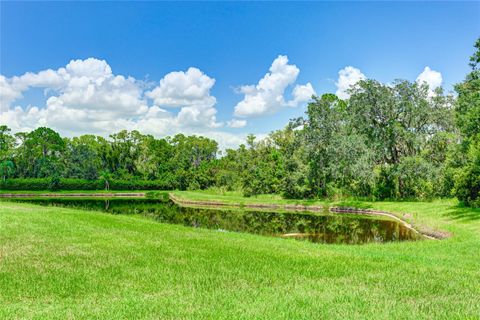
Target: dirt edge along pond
[321, 226]
[427, 233]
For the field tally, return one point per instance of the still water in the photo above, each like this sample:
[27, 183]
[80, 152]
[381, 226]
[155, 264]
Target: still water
[314, 227]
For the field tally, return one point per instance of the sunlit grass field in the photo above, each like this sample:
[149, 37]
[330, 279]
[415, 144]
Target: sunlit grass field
[236, 197]
[59, 263]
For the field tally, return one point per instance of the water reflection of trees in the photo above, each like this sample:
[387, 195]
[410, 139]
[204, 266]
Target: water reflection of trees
[328, 228]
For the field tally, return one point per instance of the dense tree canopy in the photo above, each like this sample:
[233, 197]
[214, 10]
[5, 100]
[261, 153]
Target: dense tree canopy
[466, 161]
[398, 140]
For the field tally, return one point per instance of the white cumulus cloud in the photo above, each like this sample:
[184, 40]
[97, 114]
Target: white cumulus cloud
[432, 78]
[301, 93]
[267, 96]
[8, 93]
[347, 78]
[85, 96]
[237, 123]
[179, 89]
[189, 90]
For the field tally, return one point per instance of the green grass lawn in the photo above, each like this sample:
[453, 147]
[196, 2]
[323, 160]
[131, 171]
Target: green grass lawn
[422, 215]
[58, 263]
[234, 197]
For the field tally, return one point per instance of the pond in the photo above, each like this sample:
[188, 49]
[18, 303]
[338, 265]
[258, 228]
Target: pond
[315, 227]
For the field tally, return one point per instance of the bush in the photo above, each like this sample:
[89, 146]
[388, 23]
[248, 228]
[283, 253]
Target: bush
[54, 183]
[158, 195]
[140, 185]
[81, 184]
[413, 177]
[467, 187]
[467, 181]
[416, 178]
[25, 184]
[386, 182]
[228, 179]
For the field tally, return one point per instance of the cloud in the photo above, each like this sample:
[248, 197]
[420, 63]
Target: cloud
[8, 93]
[179, 89]
[347, 77]
[301, 93]
[189, 90]
[432, 78]
[236, 123]
[226, 140]
[267, 96]
[85, 96]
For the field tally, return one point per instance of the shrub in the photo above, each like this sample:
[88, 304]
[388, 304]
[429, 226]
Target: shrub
[413, 177]
[25, 184]
[56, 183]
[140, 185]
[467, 187]
[80, 184]
[467, 181]
[385, 182]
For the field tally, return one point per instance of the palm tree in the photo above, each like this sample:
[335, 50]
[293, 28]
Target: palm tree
[6, 168]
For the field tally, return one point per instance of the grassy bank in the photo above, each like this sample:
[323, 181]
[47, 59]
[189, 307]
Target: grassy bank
[64, 263]
[431, 217]
[234, 197]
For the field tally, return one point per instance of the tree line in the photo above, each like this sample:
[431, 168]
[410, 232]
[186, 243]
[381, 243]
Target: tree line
[387, 141]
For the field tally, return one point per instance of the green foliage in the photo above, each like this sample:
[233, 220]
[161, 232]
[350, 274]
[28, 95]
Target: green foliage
[46, 184]
[179, 162]
[386, 183]
[82, 157]
[412, 178]
[467, 107]
[25, 184]
[100, 266]
[384, 141]
[106, 177]
[415, 177]
[157, 195]
[467, 181]
[39, 153]
[7, 142]
[7, 168]
[54, 184]
[392, 141]
[467, 111]
[57, 183]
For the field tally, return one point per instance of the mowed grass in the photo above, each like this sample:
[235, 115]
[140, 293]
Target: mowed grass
[58, 263]
[236, 197]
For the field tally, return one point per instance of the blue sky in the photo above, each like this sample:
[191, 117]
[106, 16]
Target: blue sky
[234, 43]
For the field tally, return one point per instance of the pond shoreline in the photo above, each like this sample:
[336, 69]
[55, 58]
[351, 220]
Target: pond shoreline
[427, 233]
[74, 195]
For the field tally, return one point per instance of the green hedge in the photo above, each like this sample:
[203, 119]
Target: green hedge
[80, 184]
[25, 184]
[139, 185]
